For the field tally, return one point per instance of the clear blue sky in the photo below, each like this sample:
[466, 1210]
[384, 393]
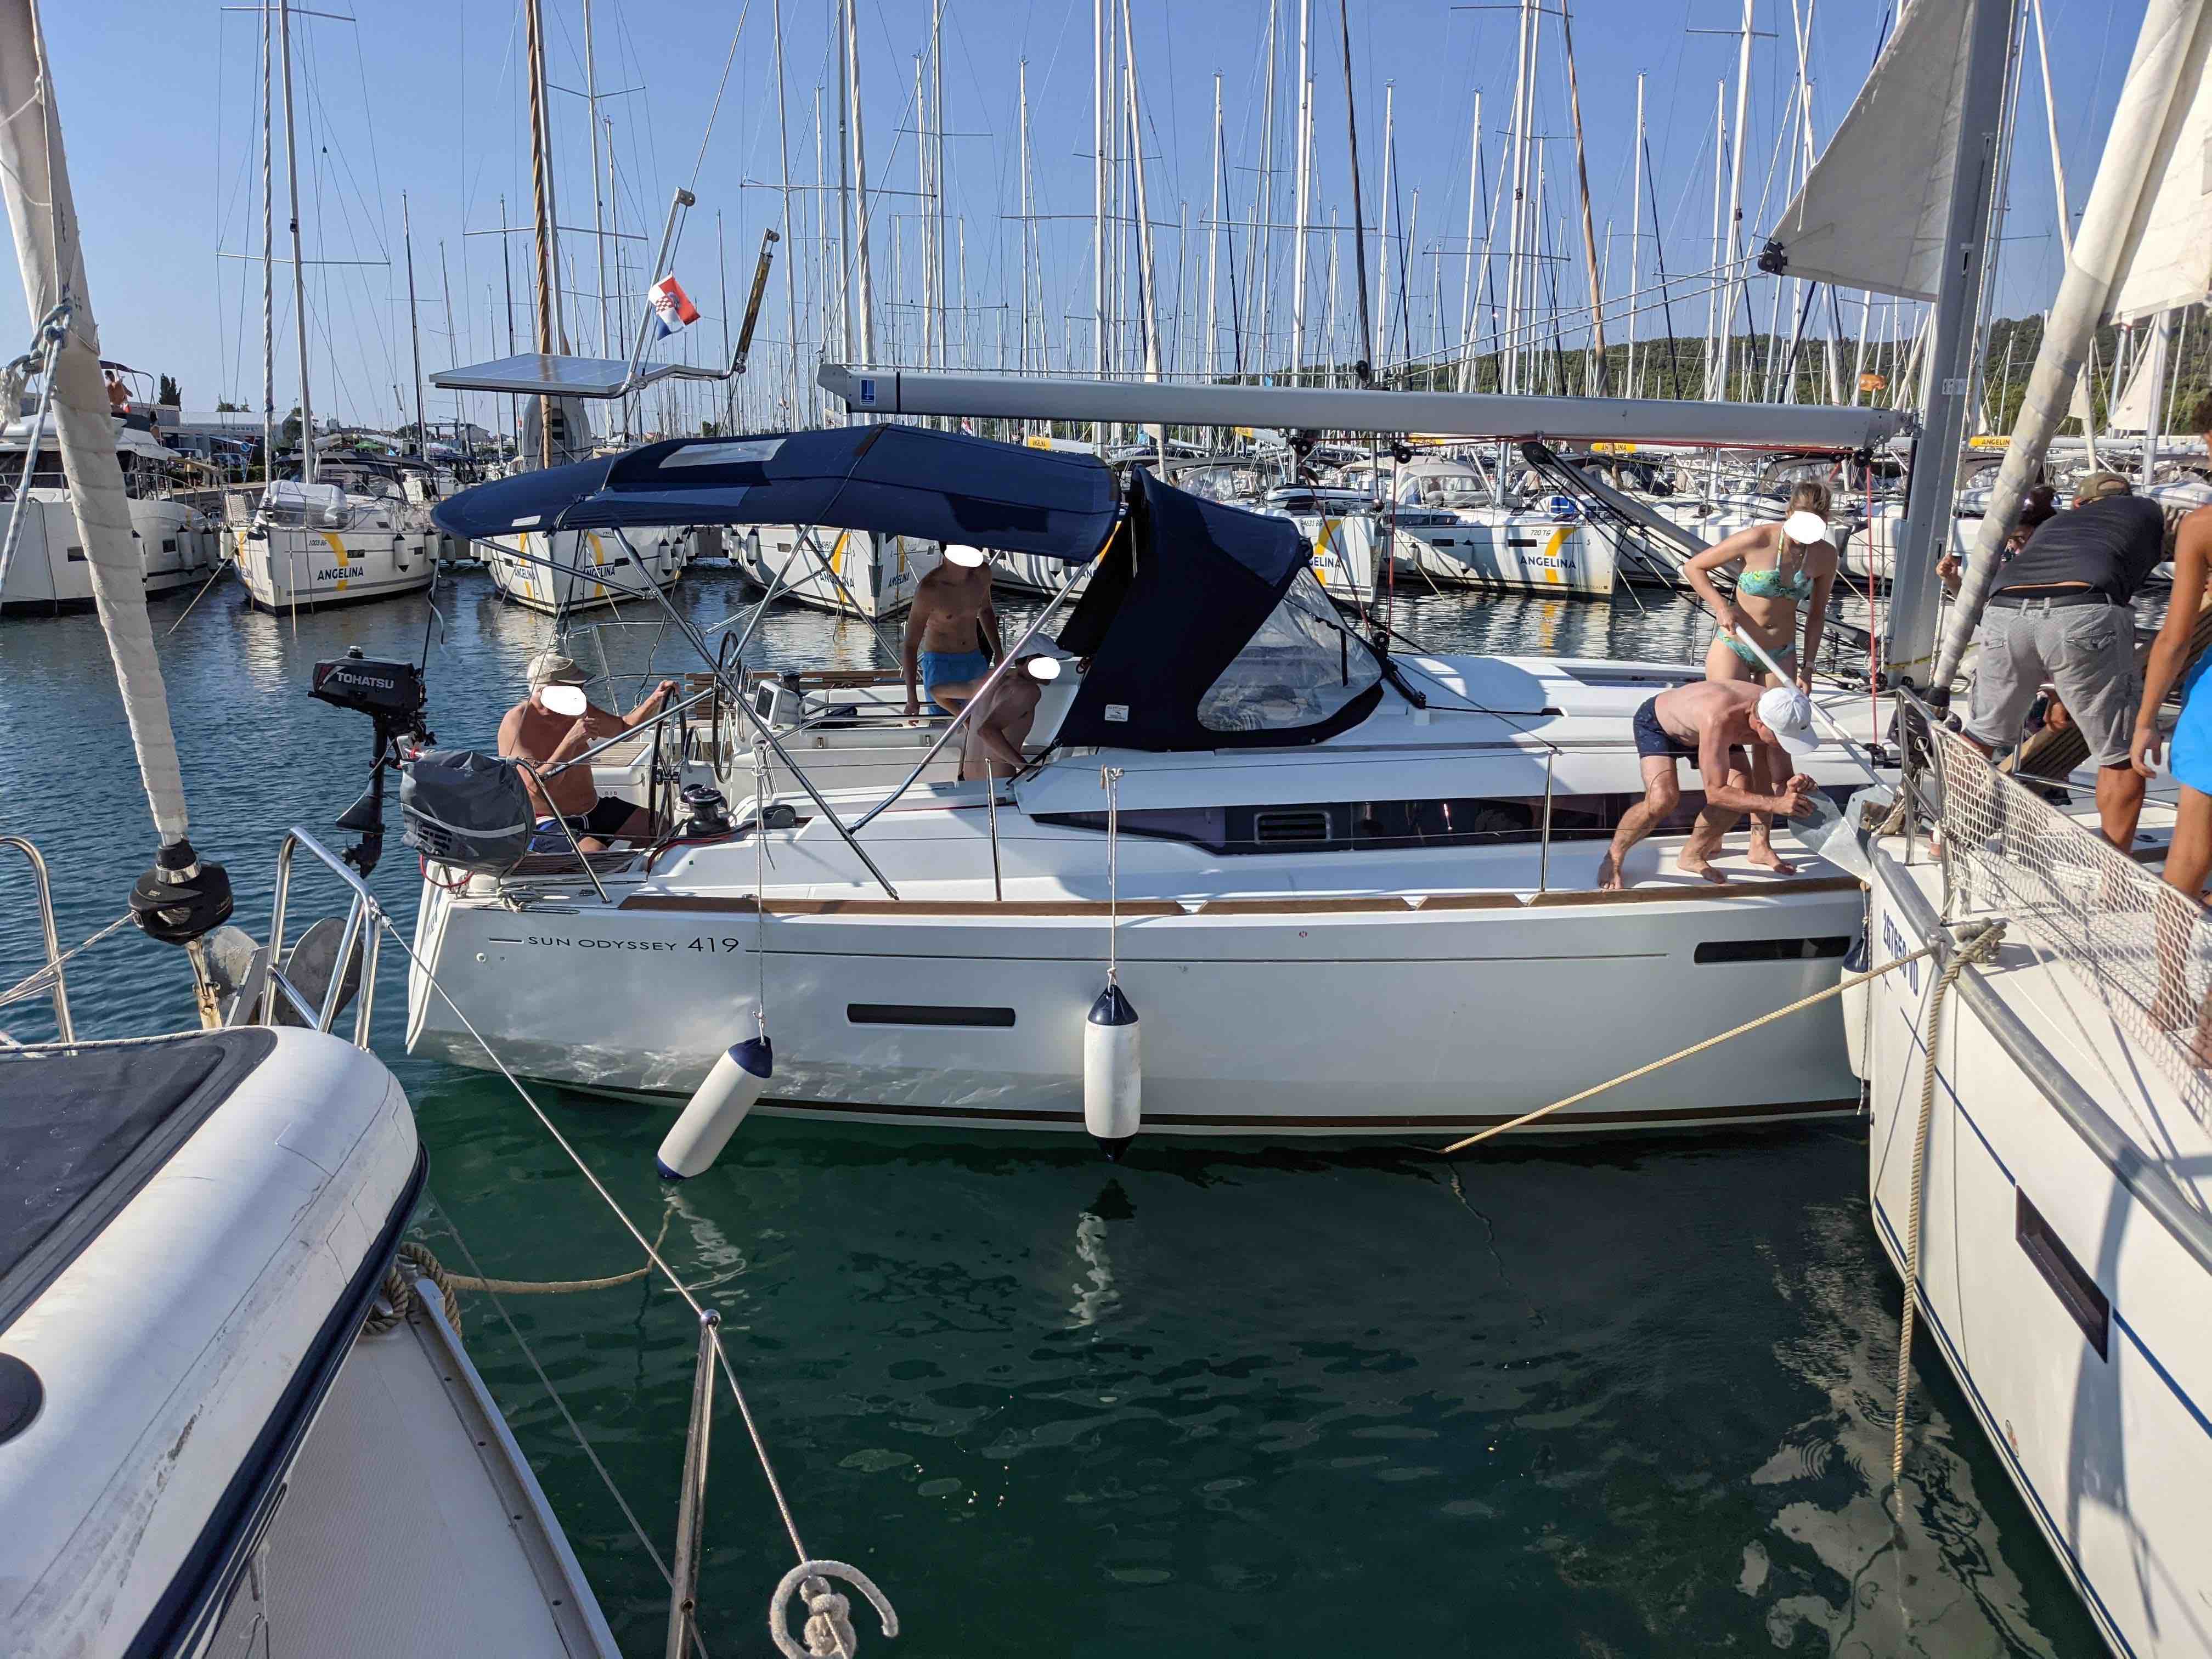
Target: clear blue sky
[158, 102]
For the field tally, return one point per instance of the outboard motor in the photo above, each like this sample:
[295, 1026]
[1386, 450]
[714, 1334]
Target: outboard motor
[466, 809]
[391, 695]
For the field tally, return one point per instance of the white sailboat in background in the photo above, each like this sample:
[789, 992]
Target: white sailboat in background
[321, 538]
[47, 571]
[563, 572]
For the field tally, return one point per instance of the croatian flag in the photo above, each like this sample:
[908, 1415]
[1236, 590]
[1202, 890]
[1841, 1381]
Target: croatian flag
[671, 306]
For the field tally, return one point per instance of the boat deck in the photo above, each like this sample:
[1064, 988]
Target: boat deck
[411, 1524]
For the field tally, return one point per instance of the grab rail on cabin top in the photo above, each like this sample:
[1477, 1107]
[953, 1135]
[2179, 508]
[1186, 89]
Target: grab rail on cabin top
[364, 913]
[52, 938]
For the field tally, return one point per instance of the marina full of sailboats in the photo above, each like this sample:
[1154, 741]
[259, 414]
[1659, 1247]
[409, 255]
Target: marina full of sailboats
[1269, 868]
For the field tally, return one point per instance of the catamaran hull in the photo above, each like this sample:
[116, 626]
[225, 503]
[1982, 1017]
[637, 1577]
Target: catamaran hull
[566, 571]
[1270, 1017]
[286, 569]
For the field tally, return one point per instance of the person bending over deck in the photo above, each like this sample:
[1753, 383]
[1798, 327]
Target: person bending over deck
[950, 624]
[1738, 733]
[545, 737]
[1788, 569]
[1000, 723]
[2060, 611]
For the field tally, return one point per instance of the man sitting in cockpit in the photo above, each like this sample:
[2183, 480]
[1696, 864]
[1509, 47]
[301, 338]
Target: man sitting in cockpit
[556, 723]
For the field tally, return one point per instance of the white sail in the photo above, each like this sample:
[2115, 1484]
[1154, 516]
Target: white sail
[1870, 215]
[51, 254]
[2132, 410]
[2169, 248]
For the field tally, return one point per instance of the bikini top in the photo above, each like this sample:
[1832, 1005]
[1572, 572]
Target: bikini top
[1770, 584]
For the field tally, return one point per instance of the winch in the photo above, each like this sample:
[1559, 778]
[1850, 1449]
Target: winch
[393, 695]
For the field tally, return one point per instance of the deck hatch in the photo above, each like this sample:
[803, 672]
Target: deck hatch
[2077, 1293]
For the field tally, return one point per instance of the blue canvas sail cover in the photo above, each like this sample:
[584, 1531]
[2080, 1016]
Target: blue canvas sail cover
[898, 480]
[1205, 629]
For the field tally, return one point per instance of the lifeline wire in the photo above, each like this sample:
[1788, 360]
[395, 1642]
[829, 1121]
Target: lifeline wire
[652, 1254]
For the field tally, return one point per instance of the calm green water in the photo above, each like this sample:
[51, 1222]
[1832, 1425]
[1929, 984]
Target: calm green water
[1623, 1398]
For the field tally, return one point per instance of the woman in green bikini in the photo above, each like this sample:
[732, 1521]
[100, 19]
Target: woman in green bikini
[1784, 575]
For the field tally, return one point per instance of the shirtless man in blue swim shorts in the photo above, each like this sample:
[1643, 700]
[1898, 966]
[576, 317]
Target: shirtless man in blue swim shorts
[947, 630]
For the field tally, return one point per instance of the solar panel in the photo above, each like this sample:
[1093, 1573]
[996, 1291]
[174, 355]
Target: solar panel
[535, 372]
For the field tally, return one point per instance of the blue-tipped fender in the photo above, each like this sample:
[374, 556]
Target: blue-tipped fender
[1113, 1071]
[715, 1109]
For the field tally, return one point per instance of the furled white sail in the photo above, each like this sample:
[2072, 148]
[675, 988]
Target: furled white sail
[1870, 215]
[48, 249]
[2169, 249]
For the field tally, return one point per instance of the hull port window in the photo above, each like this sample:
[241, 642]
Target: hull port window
[1772, 950]
[2087, 1306]
[927, 1013]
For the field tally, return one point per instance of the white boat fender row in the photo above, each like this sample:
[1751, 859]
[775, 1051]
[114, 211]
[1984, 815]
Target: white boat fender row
[1113, 1071]
[715, 1109]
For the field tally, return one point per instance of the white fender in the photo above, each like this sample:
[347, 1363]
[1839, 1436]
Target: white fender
[715, 1109]
[1113, 1071]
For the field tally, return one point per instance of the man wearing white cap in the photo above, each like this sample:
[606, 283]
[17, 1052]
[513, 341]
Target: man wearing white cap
[1731, 728]
[947, 630]
[557, 722]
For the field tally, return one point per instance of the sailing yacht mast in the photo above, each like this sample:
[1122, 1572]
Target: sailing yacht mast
[791, 259]
[1636, 242]
[299, 256]
[1590, 227]
[936, 206]
[1378, 328]
[1305, 190]
[864, 297]
[1211, 356]
[414, 327]
[1732, 252]
[1467, 267]
[268, 252]
[541, 193]
[1515, 282]
[1149, 285]
[599, 203]
[1098, 190]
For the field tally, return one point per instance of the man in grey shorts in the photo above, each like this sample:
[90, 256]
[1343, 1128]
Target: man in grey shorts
[2061, 614]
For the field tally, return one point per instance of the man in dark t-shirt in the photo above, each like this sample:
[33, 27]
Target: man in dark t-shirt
[2060, 613]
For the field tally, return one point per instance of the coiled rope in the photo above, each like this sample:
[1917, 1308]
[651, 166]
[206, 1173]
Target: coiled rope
[1973, 945]
[402, 1296]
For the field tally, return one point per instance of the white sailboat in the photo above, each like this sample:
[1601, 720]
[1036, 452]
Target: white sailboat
[321, 538]
[177, 541]
[2039, 1155]
[1297, 821]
